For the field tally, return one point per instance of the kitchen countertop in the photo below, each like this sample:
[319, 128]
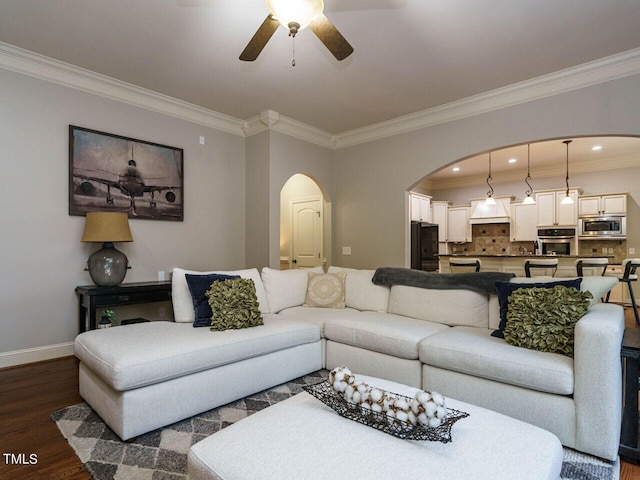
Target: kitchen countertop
[521, 255]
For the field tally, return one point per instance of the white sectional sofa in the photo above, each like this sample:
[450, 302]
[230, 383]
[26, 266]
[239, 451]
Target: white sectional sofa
[147, 375]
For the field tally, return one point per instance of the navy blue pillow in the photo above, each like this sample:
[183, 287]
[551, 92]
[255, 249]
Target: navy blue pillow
[505, 289]
[198, 285]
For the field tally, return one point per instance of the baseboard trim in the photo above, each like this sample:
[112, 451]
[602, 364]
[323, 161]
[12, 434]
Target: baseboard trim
[37, 354]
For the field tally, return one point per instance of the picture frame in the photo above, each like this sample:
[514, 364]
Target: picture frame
[113, 173]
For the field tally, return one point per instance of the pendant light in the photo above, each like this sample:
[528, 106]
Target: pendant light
[567, 200]
[528, 200]
[490, 200]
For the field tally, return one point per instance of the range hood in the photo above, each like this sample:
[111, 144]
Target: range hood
[498, 213]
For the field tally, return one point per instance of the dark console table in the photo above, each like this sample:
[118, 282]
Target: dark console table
[91, 298]
[629, 442]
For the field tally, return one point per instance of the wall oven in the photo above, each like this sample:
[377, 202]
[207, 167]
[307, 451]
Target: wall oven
[556, 241]
[602, 227]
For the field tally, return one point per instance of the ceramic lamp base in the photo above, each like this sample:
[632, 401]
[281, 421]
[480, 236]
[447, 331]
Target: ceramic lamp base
[108, 266]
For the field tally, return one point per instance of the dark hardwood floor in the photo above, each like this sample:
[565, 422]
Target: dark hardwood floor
[28, 396]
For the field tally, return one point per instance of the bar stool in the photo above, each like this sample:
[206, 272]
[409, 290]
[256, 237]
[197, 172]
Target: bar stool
[628, 276]
[465, 264]
[582, 263]
[541, 263]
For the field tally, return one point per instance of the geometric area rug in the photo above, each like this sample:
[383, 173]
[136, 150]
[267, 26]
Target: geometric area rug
[162, 454]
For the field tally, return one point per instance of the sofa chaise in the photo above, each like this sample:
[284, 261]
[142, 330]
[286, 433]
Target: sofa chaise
[144, 376]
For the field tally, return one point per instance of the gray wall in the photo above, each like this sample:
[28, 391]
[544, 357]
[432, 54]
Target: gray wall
[42, 258]
[257, 215]
[370, 203]
[289, 156]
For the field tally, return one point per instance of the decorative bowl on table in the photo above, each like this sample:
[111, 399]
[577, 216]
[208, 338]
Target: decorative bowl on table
[423, 417]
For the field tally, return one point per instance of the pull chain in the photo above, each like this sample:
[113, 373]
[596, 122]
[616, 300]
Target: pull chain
[293, 53]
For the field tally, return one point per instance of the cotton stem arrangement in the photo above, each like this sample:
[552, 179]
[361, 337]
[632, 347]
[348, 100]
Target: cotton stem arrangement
[425, 408]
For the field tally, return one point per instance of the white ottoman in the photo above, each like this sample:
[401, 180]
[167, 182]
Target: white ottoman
[302, 438]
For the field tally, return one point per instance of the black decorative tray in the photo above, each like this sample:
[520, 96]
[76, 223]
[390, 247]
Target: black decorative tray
[405, 430]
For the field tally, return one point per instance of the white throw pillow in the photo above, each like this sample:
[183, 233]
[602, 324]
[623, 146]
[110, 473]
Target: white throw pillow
[361, 293]
[325, 290]
[183, 310]
[286, 288]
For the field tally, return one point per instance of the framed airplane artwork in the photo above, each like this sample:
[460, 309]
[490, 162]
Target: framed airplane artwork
[110, 173]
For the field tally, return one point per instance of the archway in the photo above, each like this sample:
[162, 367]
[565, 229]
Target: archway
[598, 165]
[305, 223]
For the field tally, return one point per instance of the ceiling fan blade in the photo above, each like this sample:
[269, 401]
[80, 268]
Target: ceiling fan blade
[259, 39]
[331, 37]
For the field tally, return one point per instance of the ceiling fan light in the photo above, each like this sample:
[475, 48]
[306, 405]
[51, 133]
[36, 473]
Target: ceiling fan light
[302, 12]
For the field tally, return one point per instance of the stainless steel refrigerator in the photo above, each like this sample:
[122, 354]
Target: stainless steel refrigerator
[424, 246]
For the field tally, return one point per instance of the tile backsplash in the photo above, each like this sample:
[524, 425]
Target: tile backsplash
[598, 247]
[491, 239]
[495, 239]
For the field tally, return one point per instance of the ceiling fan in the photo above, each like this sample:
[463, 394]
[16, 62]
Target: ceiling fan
[295, 15]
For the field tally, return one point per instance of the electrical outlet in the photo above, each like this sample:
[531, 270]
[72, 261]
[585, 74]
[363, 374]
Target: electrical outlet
[604, 250]
[611, 250]
[632, 251]
[201, 139]
[162, 275]
[346, 250]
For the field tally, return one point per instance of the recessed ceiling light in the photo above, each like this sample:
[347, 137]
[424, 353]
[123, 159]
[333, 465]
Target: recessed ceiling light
[513, 160]
[456, 169]
[596, 148]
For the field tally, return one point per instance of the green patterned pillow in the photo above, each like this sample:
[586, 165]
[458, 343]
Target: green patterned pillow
[234, 304]
[544, 319]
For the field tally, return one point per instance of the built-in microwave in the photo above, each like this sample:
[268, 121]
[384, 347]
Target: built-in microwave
[602, 227]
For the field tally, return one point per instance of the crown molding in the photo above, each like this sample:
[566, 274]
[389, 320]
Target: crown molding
[45, 68]
[592, 73]
[586, 166]
[271, 120]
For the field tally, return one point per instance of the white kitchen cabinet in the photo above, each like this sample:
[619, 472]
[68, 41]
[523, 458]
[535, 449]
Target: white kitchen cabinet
[420, 207]
[551, 211]
[614, 204]
[459, 228]
[524, 222]
[439, 216]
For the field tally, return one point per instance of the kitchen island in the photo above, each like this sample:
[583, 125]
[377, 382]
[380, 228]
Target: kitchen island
[514, 263]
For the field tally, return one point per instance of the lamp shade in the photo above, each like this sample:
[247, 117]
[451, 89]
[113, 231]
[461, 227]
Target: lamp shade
[102, 227]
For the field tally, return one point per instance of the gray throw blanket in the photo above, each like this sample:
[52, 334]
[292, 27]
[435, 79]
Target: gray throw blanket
[481, 282]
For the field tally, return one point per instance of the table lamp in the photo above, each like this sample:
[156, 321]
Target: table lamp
[108, 266]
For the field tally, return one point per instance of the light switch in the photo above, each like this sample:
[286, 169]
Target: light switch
[632, 251]
[201, 139]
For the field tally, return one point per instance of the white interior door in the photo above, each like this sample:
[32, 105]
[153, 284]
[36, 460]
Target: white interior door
[306, 232]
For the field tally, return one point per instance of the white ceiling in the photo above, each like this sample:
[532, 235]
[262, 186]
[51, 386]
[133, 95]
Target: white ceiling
[410, 55]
